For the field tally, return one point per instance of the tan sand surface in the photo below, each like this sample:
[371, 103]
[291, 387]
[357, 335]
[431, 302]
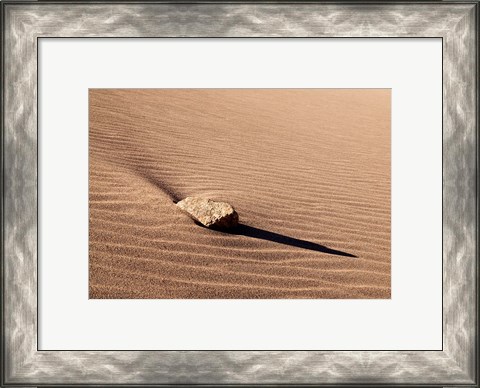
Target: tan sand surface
[308, 171]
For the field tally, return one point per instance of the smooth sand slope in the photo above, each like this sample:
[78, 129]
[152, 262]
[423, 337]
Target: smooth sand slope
[307, 170]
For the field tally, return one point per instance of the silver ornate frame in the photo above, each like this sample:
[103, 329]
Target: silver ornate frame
[25, 22]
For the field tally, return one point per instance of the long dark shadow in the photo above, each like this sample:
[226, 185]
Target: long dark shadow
[263, 234]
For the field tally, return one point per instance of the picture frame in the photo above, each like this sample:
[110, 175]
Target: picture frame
[24, 23]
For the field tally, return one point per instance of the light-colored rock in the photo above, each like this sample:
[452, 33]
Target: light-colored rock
[209, 213]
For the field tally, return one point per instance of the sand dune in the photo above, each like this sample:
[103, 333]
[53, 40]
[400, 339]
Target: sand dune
[307, 170]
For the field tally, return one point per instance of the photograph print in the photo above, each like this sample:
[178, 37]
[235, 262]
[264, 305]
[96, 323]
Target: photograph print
[239, 193]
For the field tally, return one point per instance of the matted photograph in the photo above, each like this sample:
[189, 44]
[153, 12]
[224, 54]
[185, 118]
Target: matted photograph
[239, 193]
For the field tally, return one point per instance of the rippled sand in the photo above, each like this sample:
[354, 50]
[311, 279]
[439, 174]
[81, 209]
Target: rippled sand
[307, 170]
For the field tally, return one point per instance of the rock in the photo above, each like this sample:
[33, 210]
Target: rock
[209, 213]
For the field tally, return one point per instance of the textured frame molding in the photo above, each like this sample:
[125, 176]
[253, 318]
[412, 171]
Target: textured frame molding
[455, 22]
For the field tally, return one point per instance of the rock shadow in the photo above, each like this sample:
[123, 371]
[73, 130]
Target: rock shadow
[262, 234]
